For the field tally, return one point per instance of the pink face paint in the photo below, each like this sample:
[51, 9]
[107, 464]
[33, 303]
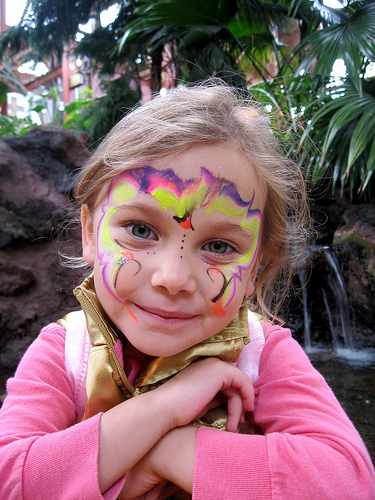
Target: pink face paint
[183, 197]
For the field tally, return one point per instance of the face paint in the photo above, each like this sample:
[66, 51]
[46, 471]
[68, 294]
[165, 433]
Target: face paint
[230, 203]
[183, 197]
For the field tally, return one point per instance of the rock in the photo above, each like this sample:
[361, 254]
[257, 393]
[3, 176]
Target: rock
[36, 174]
[355, 243]
[14, 279]
[52, 152]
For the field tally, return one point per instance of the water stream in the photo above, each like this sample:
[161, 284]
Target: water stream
[349, 371]
[329, 299]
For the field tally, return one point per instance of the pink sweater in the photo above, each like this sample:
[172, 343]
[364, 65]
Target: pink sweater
[309, 448]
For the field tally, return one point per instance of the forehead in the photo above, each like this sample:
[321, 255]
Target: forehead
[223, 161]
[217, 170]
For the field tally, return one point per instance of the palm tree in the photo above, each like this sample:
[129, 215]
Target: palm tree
[249, 41]
[344, 115]
[234, 40]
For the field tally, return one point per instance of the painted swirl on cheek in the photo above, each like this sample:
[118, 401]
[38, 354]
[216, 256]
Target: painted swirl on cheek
[215, 270]
[229, 203]
[126, 257]
[111, 254]
[183, 197]
[217, 300]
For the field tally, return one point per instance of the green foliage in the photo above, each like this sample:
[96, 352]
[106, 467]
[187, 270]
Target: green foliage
[345, 126]
[245, 42]
[4, 89]
[10, 125]
[352, 39]
[77, 114]
[342, 124]
[97, 116]
[119, 98]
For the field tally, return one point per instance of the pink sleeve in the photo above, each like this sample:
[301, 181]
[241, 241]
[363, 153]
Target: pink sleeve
[308, 449]
[43, 453]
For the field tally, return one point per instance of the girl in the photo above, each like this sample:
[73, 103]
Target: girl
[188, 209]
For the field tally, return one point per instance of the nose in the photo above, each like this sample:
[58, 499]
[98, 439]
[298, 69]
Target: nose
[174, 273]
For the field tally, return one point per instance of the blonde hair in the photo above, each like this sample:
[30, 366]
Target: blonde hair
[209, 114]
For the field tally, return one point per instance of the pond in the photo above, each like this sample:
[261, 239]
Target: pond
[351, 376]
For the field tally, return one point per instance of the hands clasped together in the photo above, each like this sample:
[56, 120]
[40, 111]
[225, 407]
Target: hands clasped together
[158, 453]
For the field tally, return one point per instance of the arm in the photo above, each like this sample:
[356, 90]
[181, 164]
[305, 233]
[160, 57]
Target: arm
[39, 444]
[41, 447]
[144, 420]
[43, 452]
[309, 449]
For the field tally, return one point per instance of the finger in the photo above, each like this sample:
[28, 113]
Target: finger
[156, 491]
[235, 410]
[168, 491]
[246, 389]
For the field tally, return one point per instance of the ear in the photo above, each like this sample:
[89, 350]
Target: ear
[88, 244]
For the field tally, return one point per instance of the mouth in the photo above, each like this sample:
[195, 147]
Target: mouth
[166, 314]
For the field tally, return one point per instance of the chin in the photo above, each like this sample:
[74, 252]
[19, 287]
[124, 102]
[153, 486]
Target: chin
[159, 352]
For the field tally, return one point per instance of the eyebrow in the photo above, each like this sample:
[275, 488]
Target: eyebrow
[215, 227]
[142, 207]
[232, 228]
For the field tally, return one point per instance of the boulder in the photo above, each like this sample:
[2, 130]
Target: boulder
[355, 246]
[336, 289]
[37, 172]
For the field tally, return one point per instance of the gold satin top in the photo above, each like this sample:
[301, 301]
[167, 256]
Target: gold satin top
[107, 384]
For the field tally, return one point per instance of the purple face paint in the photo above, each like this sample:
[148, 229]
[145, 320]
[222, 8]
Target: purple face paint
[183, 197]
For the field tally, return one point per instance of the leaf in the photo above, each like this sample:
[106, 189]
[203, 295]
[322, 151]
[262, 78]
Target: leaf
[370, 167]
[363, 133]
[4, 89]
[38, 108]
[351, 39]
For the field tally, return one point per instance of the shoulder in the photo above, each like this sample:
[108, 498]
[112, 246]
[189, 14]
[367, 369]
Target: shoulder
[48, 346]
[285, 366]
[279, 343]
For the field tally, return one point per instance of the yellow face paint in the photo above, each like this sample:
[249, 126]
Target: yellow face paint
[183, 198]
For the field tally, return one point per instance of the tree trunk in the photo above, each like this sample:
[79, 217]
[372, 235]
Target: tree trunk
[156, 64]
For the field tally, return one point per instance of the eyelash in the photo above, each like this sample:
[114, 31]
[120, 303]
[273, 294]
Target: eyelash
[132, 224]
[229, 248]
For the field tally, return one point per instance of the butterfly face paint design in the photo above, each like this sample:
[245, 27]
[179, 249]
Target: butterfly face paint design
[183, 198]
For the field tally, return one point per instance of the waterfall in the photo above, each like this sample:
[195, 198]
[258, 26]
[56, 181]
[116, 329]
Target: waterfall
[320, 315]
[336, 283]
[330, 319]
[302, 273]
[324, 296]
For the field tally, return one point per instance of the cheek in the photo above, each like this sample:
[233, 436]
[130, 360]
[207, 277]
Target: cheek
[118, 270]
[228, 286]
[218, 282]
[220, 289]
[116, 264]
[125, 272]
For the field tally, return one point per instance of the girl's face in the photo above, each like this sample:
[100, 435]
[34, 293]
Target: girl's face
[175, 247]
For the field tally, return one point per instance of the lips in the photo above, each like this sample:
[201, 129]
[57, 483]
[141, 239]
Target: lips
[167, 315]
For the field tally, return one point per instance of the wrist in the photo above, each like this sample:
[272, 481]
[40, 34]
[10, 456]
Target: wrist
[162, 409]
[166, 405]
[175, 457]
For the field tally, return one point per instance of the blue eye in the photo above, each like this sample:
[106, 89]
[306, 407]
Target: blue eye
[140, 230]
[219, 247]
